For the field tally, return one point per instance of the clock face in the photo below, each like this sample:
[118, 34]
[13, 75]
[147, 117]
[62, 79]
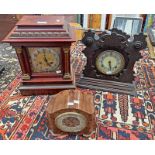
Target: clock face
[45, 59]
[71, 122]
[110, 62]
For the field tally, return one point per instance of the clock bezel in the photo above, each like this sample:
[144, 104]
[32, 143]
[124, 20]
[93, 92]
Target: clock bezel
[59, 122]
[118, 70]
[98, 74]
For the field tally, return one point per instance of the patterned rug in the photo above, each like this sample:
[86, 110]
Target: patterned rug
[9, 60]
[119, 117]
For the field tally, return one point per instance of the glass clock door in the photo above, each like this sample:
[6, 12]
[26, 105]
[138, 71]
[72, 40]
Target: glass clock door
[45, 60]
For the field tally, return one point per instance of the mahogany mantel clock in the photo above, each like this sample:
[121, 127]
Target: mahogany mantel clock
[42, 45]
[111, 56]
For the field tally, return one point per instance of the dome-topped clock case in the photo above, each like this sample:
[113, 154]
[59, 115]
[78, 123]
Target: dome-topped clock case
[111, 56]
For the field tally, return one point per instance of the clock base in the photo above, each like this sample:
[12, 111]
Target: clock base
[104, 85]
[44, 89]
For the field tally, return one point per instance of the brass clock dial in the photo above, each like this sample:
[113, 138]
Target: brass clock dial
[71, 122]
[110, 62]
[44, 59]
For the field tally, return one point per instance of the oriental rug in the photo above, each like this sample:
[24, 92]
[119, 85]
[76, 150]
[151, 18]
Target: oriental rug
[119, 116]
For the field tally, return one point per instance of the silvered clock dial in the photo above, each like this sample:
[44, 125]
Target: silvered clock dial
[44, 59]
[71, 122]
[110, 62]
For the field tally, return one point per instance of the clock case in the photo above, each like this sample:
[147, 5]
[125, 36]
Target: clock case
[43, 32]
[59, 105]
[114, 39]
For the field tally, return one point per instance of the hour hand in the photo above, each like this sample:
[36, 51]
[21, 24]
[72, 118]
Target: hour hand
[109, 62]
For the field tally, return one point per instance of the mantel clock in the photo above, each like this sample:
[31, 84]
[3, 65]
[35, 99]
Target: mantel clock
[42, 45]
[111, 56]
[71, 111]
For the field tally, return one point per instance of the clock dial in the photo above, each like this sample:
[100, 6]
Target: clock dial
[44, 59]
[71, 122]
[110, 62]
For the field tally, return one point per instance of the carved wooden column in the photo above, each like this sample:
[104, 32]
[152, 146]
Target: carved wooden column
[20, 54]
[67, 74]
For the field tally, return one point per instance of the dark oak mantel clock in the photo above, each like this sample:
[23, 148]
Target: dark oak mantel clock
[42, 45]
[111, 56]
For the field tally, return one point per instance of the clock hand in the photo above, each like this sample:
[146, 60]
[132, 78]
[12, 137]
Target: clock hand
[47, 60]
[109, 65]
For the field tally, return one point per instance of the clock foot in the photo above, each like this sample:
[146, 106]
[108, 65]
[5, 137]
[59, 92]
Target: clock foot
[108, 86]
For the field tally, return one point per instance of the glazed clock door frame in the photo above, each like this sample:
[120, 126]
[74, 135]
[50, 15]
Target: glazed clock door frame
[49, 74]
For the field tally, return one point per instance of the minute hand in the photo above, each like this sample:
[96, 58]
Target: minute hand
[46, 60]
